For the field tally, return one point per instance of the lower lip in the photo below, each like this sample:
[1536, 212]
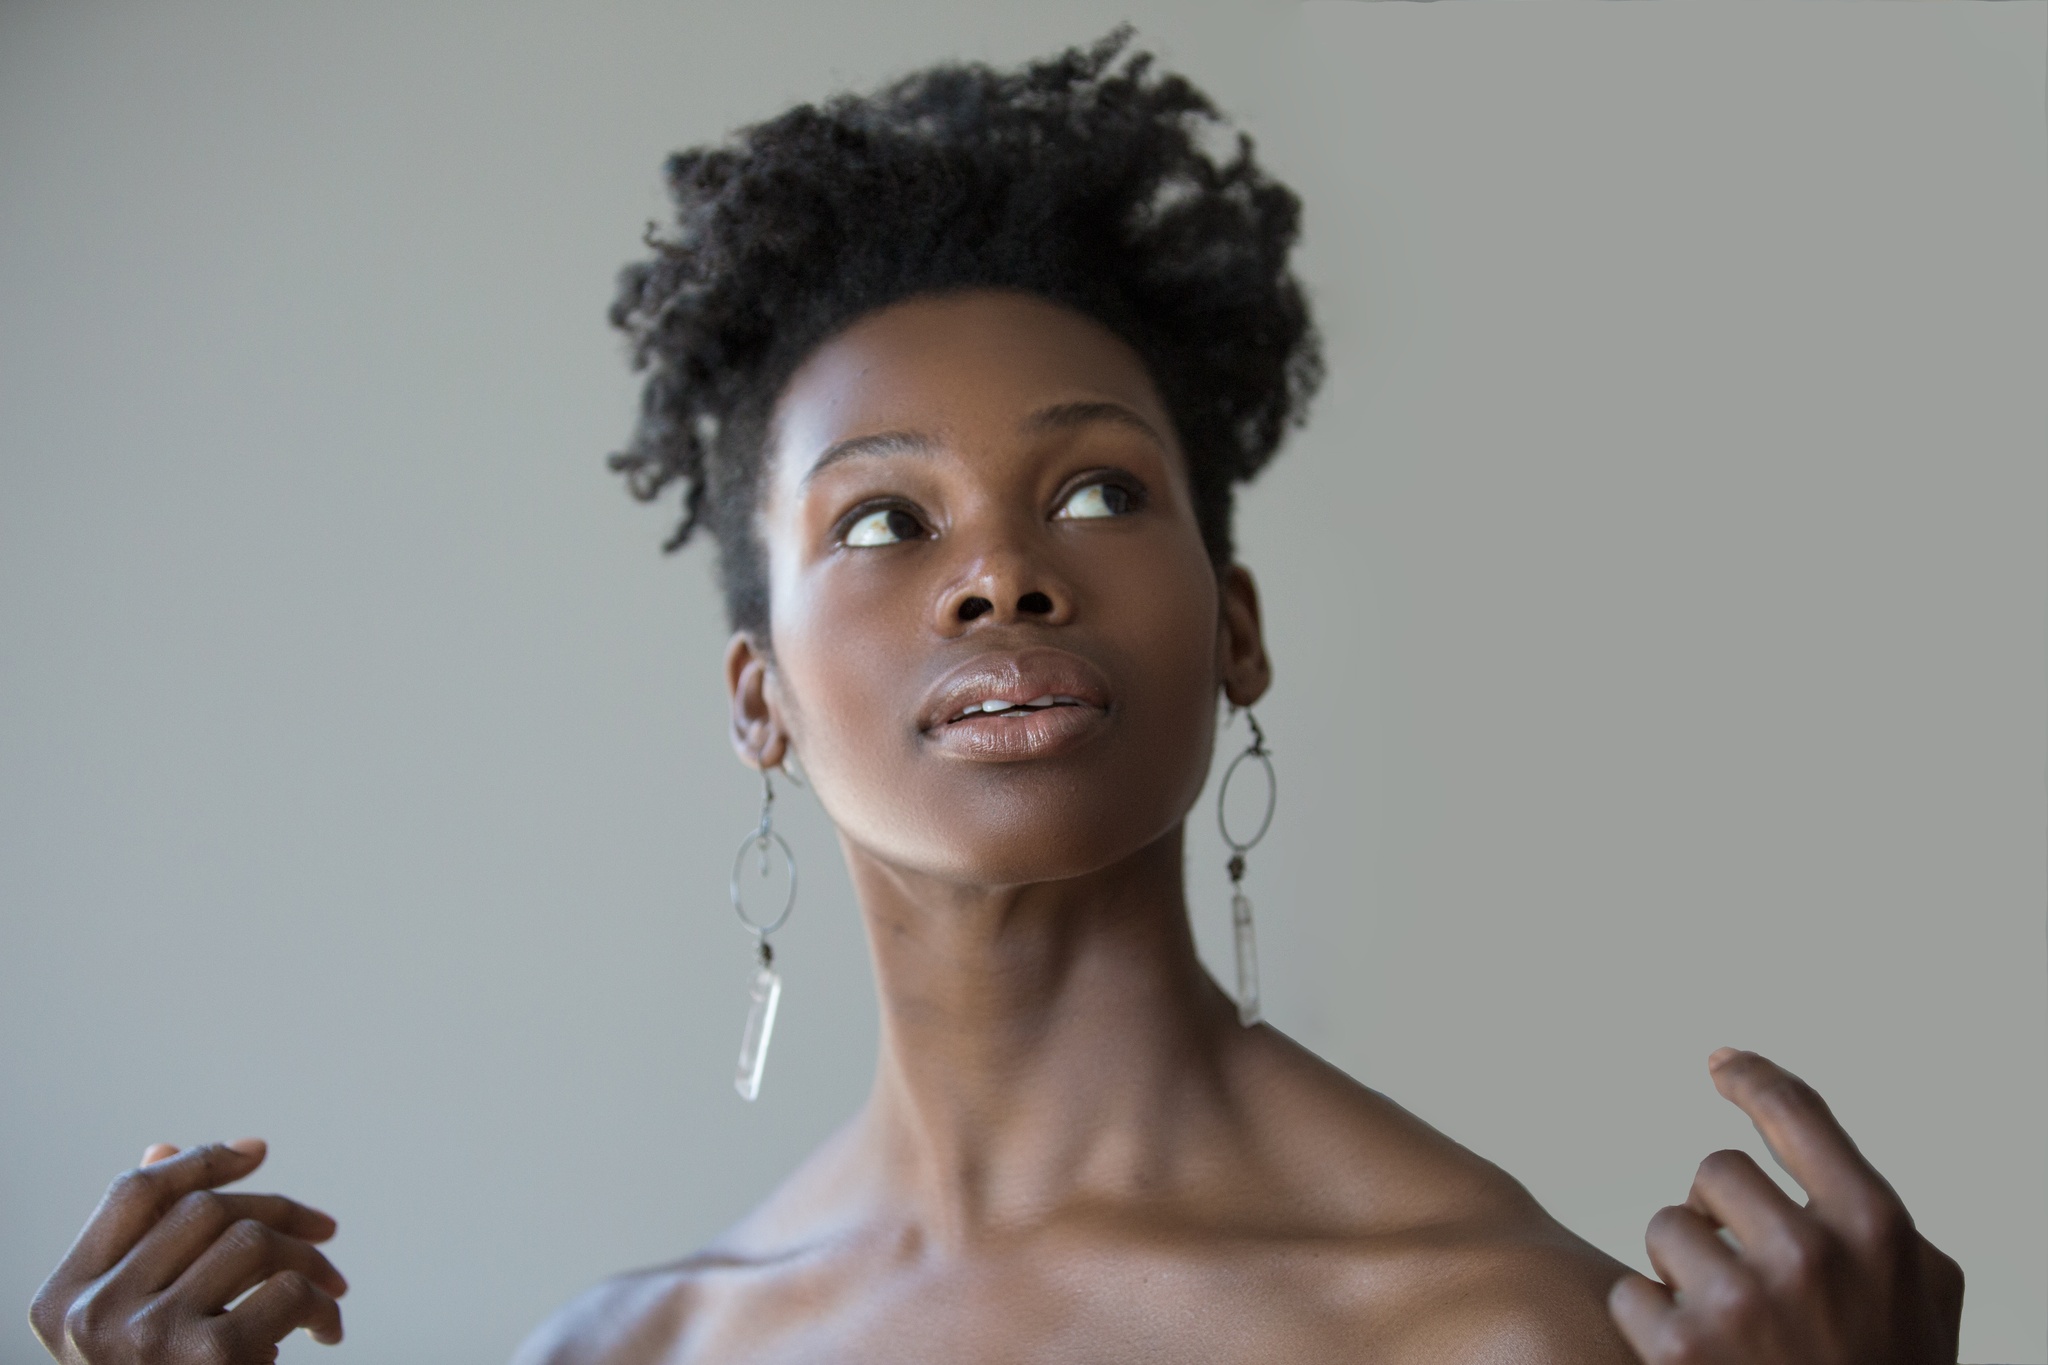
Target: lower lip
[1008, 738]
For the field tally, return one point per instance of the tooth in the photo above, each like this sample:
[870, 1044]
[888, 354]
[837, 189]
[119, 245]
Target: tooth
[994, 706]
[1040, 703]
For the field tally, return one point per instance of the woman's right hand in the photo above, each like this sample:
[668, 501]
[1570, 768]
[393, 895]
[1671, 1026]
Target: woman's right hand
[149, 1280]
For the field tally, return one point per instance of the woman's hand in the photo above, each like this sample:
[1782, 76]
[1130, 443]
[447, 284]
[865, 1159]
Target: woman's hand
[150, 1279]
[1844, 1279]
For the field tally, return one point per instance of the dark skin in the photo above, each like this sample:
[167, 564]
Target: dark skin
[1072, 1150]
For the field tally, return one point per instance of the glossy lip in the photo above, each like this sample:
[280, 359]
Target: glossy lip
[1016, 678]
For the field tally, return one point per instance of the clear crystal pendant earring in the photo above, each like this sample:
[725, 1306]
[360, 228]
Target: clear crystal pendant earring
[766, 992]
[1241, 908]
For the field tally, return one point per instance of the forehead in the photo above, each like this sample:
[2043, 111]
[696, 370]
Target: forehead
[954, 364]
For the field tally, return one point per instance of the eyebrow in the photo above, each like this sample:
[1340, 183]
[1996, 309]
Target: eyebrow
[881, 443]
[1058, 417]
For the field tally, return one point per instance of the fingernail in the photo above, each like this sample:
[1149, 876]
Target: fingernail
[248, 1146]
[1721, 1054]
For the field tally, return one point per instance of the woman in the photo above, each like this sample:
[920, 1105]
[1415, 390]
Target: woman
[961, 377]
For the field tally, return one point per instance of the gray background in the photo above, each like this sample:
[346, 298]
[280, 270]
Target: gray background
[1657, 596]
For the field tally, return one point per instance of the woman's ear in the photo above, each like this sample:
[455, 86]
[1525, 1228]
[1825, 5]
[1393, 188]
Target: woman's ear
[757, 733]
[1241, 660]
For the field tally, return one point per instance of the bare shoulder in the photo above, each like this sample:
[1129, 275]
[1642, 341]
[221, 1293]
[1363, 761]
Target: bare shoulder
[674, 1311]
[633, 1319]
[1497, 1280]
[1495, 1295]
[1447, 1256]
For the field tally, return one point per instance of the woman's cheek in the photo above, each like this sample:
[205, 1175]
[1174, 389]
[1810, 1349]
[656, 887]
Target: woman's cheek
[853, 699]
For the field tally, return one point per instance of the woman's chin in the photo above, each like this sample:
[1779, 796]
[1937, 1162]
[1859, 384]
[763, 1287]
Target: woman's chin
[1002, 823]
[1017, 848]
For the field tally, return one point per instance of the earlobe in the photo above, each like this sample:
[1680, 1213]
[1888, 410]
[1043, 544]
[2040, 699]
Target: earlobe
[757, 733]
[1241, 662]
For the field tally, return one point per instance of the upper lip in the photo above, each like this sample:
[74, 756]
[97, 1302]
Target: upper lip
[1013, 678]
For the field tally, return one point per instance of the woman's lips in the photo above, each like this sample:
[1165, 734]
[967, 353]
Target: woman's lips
[996, 706]
[1013, 736]
[1007, 707]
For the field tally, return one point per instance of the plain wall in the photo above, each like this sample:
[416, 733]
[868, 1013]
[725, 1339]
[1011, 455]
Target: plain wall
[1657, 596]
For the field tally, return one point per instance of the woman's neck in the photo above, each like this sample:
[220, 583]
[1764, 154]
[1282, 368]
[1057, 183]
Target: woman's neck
[1041, 1044]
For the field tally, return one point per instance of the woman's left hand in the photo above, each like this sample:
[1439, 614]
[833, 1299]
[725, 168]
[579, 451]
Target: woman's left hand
[1845, 1278]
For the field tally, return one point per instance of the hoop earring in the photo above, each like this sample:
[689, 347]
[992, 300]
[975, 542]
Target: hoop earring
[766, 991]
[1241, 908]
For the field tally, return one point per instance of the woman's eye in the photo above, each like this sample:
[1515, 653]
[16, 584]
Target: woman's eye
[884, 527]
[1096, 500]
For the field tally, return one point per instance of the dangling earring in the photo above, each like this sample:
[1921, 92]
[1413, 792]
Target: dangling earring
[766, 991]
[1240, 908]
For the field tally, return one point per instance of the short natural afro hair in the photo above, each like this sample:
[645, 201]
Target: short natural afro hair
[1081, 179]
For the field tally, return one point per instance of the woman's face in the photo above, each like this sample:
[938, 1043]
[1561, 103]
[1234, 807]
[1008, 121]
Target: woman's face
[997, 637]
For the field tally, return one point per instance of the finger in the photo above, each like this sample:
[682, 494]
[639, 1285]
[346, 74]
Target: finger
[1643, 1310]
[1845, 1191]
[1732, 1190]
[244, 1256]
[138, 1198]
[1944, 1288]
[157, 1151]
[1944, 1281]
[196, 1221]
[284, 1302]
[1688, 1254]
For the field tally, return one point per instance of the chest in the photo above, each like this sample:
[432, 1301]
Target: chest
[1077, 1306]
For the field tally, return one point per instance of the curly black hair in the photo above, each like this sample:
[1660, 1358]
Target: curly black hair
[1081, 179]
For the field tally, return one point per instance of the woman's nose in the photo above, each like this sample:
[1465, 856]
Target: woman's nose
[1030, 604]
[1004, 588]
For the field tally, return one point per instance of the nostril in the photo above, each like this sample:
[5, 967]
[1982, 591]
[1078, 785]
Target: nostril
[1035, 603]
[975, 606]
